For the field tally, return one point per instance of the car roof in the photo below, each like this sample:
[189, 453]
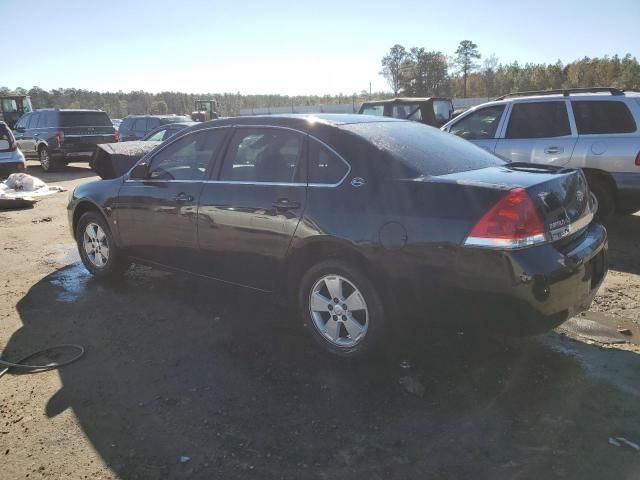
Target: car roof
[403, 100]
[67, 110]
[302, 119]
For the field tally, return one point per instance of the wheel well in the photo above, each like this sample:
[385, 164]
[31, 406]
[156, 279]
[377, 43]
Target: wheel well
[81, 209]
[602, 176]
[313, 253]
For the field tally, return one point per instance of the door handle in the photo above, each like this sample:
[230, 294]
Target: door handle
[36, 134]
[183, 197]
[553, 150]
[285, 204]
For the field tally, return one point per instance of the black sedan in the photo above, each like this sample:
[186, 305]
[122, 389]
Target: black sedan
[358, 221]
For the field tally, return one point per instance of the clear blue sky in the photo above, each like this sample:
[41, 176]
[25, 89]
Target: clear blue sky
[284, 47]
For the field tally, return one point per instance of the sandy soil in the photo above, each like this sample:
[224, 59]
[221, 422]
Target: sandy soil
[179, 367]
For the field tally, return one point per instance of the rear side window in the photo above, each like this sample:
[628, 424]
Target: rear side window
[538, 120]
[84, 119]
[263, 155]
[479, 125]
[377, 110]
[422, 150]
[140, 124]
[325, 167]
[593, 117]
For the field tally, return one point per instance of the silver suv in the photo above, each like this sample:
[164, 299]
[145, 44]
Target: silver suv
[595, 129]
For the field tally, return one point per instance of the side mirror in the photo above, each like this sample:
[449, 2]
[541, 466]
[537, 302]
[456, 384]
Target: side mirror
[139, 172]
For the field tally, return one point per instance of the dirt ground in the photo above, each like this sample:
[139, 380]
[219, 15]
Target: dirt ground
[180, 367]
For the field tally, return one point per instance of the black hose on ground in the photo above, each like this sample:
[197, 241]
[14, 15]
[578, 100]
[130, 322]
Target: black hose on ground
[41, 368]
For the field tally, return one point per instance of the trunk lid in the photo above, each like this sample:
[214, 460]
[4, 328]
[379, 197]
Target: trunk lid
[562, 196]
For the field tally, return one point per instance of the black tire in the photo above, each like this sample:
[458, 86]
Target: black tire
[48, 163]
[116, 264]
[375, 321]
[606, 199]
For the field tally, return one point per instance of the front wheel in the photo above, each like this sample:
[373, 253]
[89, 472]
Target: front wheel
[341, 308]
[97, 248]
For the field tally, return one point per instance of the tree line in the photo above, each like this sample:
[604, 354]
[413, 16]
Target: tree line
[419, 72]
[121, 104]
[411, 72]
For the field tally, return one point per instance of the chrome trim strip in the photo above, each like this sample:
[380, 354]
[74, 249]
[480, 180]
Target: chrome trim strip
[567, 230]
[504, 243]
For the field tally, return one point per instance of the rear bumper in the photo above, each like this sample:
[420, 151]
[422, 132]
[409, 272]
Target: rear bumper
[523, 292]
[9, 167]
[628, 187]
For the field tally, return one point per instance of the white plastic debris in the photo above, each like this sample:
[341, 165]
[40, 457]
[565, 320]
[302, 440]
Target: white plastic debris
[21, 185]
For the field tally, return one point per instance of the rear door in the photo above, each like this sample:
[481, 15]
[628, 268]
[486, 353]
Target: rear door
[481, 126]
[250, 212]
[538, 132]
[157, 215]
[608, 137]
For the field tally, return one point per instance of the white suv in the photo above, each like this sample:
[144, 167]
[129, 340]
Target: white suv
[596, 129]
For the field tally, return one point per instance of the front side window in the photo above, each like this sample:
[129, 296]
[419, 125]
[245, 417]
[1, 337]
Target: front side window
[187, 158]
[35, 120]
[263, 155]
[479, 125]
[442, 109]
[538, 120]
[325, 167]
[377, 110]
[602, 117]
[158, 136]
[24, 121]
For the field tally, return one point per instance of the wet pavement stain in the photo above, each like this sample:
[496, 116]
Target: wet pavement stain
[71, 282]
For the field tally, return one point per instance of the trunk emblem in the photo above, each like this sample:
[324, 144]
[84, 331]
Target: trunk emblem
[358, 182]
[580, 196]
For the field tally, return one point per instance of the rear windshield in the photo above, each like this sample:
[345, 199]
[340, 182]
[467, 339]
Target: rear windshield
[84, 119]
[424, 150]
[176, 119]
[6, 139]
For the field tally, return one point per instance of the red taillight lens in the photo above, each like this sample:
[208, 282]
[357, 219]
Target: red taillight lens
[513, 222]
[59, 136]
[638, 159]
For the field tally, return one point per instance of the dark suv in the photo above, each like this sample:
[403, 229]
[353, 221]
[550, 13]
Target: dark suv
[57, 137]
[134, 127]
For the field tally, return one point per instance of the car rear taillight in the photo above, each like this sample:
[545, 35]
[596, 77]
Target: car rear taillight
[513, 222]
[638, 159]
[59, 136]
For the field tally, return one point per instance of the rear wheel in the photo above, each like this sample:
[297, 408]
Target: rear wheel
[97, 248]
[48, 163]
[341, 308]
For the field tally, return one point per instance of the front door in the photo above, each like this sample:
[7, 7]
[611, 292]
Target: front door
[480, 126]
[249, 213]
[157, 215]
[23, 136]
[538, 132]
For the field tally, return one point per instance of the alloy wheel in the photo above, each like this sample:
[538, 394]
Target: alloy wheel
[45, 161]
[339, 311]
[96, 245]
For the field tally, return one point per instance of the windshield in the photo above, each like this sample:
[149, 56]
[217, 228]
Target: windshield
[82, 119]
[423, 149]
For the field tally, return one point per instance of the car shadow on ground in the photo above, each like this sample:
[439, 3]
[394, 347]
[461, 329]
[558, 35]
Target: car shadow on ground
[178, 366]
[72, 171]
[624, 242]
